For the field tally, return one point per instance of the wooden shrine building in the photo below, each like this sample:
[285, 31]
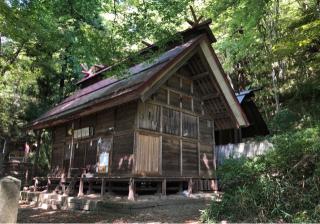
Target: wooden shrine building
[156, 124]
[257, 126]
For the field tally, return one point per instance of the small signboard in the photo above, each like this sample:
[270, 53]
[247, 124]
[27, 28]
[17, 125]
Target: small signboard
[104, 148]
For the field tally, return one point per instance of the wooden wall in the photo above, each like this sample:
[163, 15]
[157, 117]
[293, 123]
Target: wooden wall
[123, 140]
[114, 126]
[171, 156]
[174, 129]
[169, 135]
[58, 148]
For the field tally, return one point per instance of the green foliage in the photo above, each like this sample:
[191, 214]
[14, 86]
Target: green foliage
[283, 120]
[272, 44]
[282, 185]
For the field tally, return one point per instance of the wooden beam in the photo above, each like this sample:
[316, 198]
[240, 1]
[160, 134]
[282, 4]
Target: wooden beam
[179, 92]
[177, 109]
[233, 105]
[155, 133]
[211, 96]
[200, 75]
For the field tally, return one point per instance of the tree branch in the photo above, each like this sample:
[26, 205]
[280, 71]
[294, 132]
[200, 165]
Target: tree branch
[12, 59]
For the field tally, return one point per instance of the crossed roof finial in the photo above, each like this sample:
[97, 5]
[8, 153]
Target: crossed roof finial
[196, 20]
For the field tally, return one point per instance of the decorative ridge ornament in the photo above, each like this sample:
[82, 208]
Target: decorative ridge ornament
[196, 20]
[91, 71]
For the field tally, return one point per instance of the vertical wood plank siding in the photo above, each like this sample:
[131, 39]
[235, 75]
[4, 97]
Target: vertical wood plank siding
[147, 156]
[170, 156]
[182, 118]
[171, 134]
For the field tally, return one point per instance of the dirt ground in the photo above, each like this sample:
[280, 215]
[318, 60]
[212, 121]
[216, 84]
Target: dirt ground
[182, 213]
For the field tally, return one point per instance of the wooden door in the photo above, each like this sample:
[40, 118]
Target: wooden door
[147, 155]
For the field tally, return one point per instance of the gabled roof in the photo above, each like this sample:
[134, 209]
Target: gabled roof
[112, 87]
[140, 81]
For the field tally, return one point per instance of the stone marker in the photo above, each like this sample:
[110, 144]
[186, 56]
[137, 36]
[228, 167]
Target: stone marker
[9, 199]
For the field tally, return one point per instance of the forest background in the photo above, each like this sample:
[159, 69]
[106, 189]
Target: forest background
[268, 44]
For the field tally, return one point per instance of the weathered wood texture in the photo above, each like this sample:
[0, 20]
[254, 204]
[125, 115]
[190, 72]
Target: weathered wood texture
[206, 131]
[174, 131]
[125, 117]
[123, 140]
[206, 160]
[181, 109]
[122, 154]
[170, 156]
[147, 155]
[58, 146]
[149, 116]
[171, 121]
[161, 96]
[189, 159]
[189, 126]
[105, 120]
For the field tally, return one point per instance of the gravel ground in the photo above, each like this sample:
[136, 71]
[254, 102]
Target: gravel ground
[182, 213]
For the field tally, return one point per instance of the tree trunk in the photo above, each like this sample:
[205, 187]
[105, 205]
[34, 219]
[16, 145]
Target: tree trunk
[275, 89]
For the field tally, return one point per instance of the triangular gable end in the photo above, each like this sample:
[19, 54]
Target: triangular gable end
[202, 66]
[225, 86]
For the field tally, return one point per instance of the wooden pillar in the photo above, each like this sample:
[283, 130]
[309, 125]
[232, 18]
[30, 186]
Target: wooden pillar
[164, 187]
[132, 190]
[190, 183]
[103, 186]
